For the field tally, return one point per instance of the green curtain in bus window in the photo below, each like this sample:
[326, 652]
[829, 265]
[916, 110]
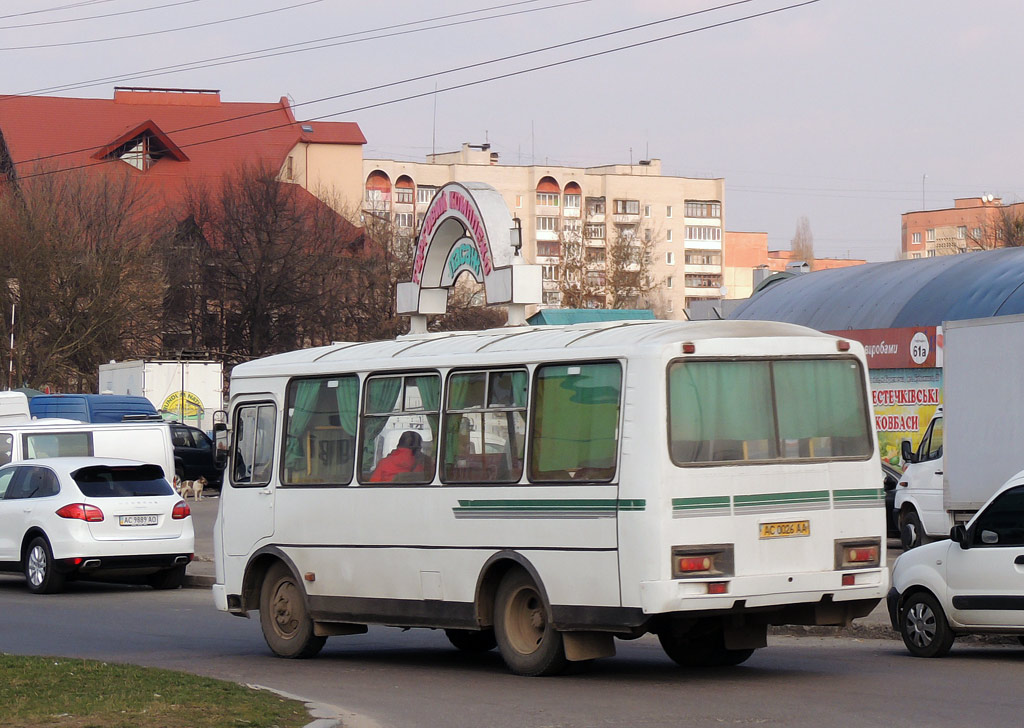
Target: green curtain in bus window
[466, 391]
[306, 393]
[721, 411]
[347, 394]
[576, 422]
[508, 389]
[430, 392]
[461, 389]
[821, 402]
[381, 397]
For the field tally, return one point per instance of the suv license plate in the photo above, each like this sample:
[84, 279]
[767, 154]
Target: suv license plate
[785, 529]
[138, 520]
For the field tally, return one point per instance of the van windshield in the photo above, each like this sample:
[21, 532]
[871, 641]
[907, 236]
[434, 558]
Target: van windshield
[122, 482]
[750, 410]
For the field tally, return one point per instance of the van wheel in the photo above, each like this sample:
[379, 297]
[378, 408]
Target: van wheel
[472, 640]
[924, 628]
[167, 579]
[528, 643]
[694, 648]
[287, 626]
[41, 573]
[911, 530]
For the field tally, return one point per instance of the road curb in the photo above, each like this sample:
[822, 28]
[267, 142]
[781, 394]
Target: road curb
[195, 581]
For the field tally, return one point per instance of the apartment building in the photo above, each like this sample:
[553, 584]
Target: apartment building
[973, 223]
[682, 218]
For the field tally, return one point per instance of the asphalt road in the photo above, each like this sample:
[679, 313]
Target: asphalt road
[415, 679]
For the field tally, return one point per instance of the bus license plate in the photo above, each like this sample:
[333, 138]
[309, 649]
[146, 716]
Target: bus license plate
[785, 529]
[138, 520]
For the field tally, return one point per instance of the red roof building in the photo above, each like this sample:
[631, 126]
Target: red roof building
[170, 136]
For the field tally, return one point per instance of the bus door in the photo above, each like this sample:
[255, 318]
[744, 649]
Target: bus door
[250, 478]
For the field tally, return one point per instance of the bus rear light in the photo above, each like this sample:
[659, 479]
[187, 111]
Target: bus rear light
[718, 587]
[691, 562]
[689, 347]
[843, 345]
[849, 579]
[858, 554]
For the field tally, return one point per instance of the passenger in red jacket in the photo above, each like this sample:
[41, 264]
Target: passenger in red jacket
[403, 459]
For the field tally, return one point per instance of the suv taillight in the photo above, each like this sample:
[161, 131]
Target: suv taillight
[181, 510]
[82, 511]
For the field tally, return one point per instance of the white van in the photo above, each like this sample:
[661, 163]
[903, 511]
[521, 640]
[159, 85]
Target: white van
[142, 441]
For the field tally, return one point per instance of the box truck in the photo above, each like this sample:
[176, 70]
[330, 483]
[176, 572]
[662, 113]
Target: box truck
[188, 391]
[975, 441]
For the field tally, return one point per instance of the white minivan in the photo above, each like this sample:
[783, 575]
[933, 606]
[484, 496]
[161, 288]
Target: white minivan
[148, 442]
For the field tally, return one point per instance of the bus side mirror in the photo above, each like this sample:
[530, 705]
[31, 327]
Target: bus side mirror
[907, 453]
[220, 445]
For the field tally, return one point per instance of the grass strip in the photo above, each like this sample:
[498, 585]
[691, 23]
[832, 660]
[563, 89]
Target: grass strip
[70, 693]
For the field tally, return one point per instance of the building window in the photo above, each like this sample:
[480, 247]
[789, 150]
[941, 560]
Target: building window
[915, 238]
[670, 258]
[547, 198]
[289, 173]
[647, 234]
[976, 233]
[647, 210]
[519, 201]
[547, 224]
[703, 208]
[403, 195]
[403, 219]
[668, 211]
[627, 207]
[668, 236]
[703, 280]
[915, 256]
[572, 201]
[931, 253]
[549, 272]
[595, 232]
[961, 232]
[595, 205]
[668, 282]
[595, 255]
[552, 298]
[703, 257]
[425, 194]
[930, 236]
[703, 232]
[595, 278]
[547, 248]
[143, 152]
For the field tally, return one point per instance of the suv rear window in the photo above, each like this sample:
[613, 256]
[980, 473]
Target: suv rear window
[103, 481]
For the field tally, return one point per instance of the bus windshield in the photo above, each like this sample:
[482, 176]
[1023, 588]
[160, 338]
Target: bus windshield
[764, 410]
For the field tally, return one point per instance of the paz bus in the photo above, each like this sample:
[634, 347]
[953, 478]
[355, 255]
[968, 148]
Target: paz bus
[569, 485]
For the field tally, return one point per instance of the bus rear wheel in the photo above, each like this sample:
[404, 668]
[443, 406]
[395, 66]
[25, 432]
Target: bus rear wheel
[287, 626]
[700, 648]
[528, 642]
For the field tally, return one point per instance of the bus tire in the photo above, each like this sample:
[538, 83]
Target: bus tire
[287, 626]
[528, 642]
[472, 640]
[691, 648]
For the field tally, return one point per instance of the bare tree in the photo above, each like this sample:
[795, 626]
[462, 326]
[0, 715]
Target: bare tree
[1009, 226]
[629, 282]
[580, 277]
[802, 244]
[80, 248]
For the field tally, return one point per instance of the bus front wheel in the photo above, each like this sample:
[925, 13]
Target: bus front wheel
[700, 648]
[528, 642]
[287, 626]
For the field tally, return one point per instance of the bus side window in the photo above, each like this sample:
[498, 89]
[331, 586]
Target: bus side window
[253, 457]
[320, 434]
[484, 427]
[399, 428]
[575, 422]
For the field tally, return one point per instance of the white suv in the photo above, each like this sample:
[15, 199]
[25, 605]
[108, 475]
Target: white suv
[70, 517]
[972, 583]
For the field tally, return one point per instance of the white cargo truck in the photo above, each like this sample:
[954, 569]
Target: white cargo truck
[188, 391]
[975, 441]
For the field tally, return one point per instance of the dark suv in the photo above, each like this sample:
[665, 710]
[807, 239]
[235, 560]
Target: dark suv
[193, 455]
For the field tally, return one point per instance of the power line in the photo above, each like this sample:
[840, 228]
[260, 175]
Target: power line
[98, 17]
[56, 9]
[455, 69]
[270, 52]
[160, 32]
[469, 84]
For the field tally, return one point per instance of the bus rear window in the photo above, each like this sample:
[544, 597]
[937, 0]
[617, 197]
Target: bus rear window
[785, 409]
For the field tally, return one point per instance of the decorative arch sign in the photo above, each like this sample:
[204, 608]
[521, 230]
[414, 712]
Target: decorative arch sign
[468, 229]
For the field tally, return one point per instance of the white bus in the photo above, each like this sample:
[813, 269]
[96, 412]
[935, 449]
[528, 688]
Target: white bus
[564, 486]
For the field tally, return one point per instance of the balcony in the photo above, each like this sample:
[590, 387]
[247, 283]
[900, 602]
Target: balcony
[625, 219]
[573, 212]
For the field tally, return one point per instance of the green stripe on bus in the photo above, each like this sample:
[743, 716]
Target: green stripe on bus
[775, 499]
[582, 504]
[711, 501]
[858, 494]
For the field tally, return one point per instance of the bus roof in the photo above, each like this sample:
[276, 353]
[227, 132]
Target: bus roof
[599, 338]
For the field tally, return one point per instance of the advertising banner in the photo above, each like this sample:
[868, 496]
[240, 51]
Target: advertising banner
[917, 347]
[904, 401]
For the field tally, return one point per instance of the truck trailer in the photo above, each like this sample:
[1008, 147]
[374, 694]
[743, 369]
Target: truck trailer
[975, 441]
[188, 391]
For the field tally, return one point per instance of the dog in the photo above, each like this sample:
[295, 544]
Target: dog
[193, 488]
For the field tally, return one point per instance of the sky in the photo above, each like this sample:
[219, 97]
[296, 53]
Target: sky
[848, 112]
